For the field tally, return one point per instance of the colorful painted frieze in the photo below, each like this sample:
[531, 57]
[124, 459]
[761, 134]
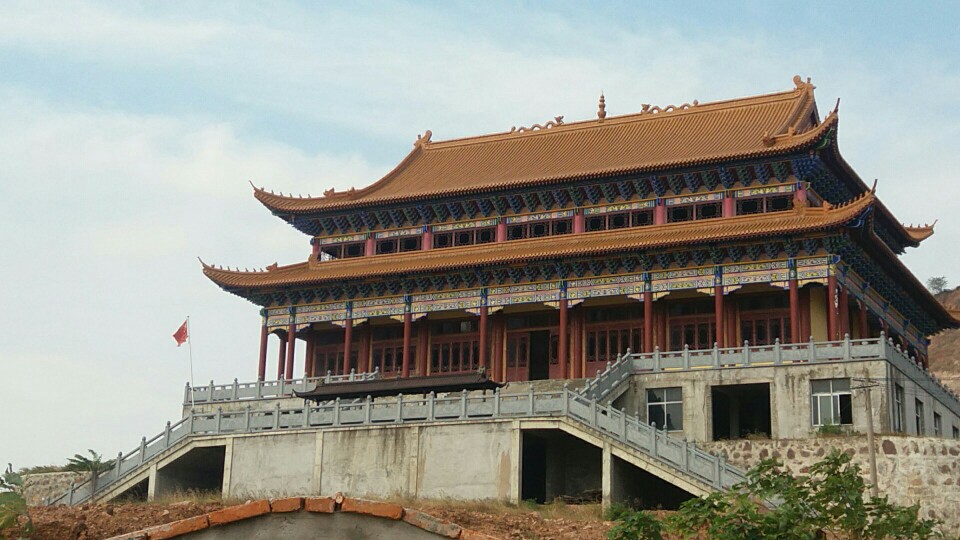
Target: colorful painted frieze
[409, 231]
[765, 190]
[624, 207]
[540, 216]
[691, 199]
[341, 239]
[378, 307]
[605, 286]
[446, 301]
[460, 225]
[524, 294]
[685, 278]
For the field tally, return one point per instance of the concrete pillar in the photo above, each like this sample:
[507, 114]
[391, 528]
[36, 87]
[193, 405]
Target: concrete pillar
[262, 360]
[718, 315]
[795, 333]
[369, 247]
[864, 327]
[729, 205]
[562, 338]
[647, 321]
[606, 478]
[501, 231]
[291, 346]
[347, 345]
[427, 242]
[308, 359]
[152, 483]
[281, 358]
[833, 325]
[483, 337]
[407, 332]
[659, 213]
[579, 224]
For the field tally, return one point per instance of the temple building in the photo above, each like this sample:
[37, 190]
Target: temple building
[548, 252]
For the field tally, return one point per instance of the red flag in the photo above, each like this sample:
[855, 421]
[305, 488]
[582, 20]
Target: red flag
[180, 336]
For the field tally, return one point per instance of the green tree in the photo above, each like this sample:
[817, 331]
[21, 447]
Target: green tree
[937, 284]
[772, 503]
[93, 465]
[13, 506]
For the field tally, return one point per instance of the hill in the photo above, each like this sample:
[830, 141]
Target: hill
[945, 346]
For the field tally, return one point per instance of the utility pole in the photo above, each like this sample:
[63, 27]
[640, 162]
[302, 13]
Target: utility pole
[868, 384]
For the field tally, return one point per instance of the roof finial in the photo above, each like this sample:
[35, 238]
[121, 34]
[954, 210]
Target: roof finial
[602, 110]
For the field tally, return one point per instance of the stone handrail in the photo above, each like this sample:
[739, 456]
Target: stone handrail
[238, 391]
[676, 453]
[845, 350]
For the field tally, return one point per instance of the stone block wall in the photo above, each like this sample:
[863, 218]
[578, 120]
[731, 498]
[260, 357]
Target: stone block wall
[910, 470]
[37, 487]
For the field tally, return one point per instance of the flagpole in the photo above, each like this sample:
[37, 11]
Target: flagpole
[190, 348]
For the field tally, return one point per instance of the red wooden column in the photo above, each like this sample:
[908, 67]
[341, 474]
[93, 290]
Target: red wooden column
[407, 333]
[832, 323]
[729, 208]
[427, 242]
[579, 224]
[795, 333]
[347, 345]
[281, 358]
[864, 327]
[262, 361]
[369, 247]
[499, 336]
[291, 345]
[563, 337]
[844, 310]
[483, 337]
[660, 213]
[648, 321]
[501, 230]
[363, 356]
[423, 346]
[718, 316]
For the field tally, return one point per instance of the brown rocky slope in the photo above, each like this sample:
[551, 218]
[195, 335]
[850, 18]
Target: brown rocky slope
[945, 346]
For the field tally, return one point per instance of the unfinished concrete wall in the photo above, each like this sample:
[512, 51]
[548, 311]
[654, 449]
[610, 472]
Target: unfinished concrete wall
[369, 461]
[274, 466]
[910, 470]
[468, 461]
[310, 526]
[790, 395]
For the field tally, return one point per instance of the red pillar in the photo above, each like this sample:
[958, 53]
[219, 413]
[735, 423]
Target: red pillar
[579, 224]
[718, 315]
[347, 345]
[498, 337]
[795, 333]
[729, 205]
[647, 321]
[501, 231]
[291, 345]
[562, 337]
[662, 327]
[864, 327]
[427, 242]
[316, 247]
[659, 213]
[832, 299]
[844, 310]
[363, 356]
[801, 195]
[423, 346]
[483, 337]
[262, 363]
[281, 358]
[369, 247]
[576, 357]
[407, 332]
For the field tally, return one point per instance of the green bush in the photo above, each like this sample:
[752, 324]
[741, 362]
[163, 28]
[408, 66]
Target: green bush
[636, 525]
[12, 504]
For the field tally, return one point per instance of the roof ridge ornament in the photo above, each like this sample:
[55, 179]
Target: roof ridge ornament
[557, 121]
[602, 108]
[646, 108]
[803, 85]
[423, 139]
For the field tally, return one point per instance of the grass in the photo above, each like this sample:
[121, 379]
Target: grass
[552, 510]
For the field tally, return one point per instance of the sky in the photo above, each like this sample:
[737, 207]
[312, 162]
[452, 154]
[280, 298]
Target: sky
[130, 131]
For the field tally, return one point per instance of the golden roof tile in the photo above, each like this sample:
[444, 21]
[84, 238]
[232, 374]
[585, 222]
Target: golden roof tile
[654, 139]
[799, 220]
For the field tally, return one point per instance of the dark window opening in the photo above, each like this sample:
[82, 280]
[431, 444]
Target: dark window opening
[410, 244]
[749, 206]
[485, 236]
[442, 240]
[740, 410]
[679, 213]
[709, 211]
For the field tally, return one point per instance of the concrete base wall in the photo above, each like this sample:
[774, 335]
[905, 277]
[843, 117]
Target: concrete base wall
[310, 526]
[910, 470]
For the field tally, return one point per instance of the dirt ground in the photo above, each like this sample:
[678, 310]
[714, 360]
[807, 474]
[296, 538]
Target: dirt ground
[91, 522]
